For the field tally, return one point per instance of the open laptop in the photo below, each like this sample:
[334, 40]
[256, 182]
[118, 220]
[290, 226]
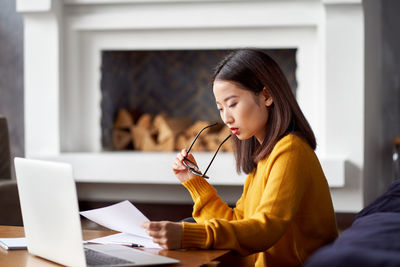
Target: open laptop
[50, 214]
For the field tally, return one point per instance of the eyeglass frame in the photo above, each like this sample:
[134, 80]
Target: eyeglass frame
[196, 170]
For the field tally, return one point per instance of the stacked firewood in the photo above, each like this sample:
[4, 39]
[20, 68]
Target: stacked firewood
[162, 133]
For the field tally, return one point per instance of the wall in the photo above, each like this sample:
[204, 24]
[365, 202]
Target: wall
[390, 112]
[64, 42]
[382, 93]
[382, 107]
[11, 74]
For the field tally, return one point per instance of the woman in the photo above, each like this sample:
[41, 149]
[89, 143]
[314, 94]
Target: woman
[285, 212]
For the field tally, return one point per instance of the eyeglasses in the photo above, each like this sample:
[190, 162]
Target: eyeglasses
[193, 168]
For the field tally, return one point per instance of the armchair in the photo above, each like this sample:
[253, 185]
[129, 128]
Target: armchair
[10, 211]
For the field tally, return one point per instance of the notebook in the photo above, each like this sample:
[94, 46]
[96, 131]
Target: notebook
[50, 214]
[13, 243]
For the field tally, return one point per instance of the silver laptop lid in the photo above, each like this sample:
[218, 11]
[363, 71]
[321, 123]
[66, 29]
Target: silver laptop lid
[50, 211]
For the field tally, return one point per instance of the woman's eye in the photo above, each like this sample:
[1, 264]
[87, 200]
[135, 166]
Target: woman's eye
[232, 105]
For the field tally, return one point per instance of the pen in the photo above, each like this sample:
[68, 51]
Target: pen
[133, 245]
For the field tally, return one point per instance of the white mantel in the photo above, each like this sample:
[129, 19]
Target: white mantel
[63, 43]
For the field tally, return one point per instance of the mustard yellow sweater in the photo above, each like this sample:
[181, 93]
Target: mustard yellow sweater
[284, 214]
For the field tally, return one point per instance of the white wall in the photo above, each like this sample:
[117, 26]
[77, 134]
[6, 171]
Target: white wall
[64, 40]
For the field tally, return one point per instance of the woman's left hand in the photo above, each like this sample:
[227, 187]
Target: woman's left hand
[167, 234]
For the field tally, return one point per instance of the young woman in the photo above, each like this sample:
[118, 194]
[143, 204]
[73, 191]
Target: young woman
[285, 212]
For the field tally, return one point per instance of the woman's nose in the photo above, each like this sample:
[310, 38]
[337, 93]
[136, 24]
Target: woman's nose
[227, 117]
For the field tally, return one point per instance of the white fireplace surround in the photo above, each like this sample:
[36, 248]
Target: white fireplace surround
[63, 43]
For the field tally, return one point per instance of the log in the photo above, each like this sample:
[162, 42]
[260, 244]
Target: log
[149, 144]
[167, 127]
[163, 133]
[199, 146]
[178, 125]
[142, 139]
[167, 130]
[208, 140]
[123, 120]
[222, 134]
[182, 142]
[122, 139]
[196, 128]
[167, 146]
[145, 121]
[211, 141]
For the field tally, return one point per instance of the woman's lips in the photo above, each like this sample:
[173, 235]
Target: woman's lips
[235, 131]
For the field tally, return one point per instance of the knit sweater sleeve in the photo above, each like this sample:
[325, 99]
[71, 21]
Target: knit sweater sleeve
[207, 204]
[286, 178]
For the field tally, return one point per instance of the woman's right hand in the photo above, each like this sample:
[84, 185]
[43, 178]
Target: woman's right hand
[181, 171]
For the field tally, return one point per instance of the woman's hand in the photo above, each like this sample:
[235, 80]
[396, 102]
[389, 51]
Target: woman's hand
[181, 171]
[167, 234]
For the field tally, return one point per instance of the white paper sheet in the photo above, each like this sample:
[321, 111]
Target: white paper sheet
[126, 239]
[122, 217]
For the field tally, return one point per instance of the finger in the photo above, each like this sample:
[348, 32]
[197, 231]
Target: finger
[157, 241]
[180, 157]
[180, 165]
[184, 152]
[164, 246]
[190, 157]
[154, 226]
[155, 234]
[177, 166]
[161, 242]
[178, 162]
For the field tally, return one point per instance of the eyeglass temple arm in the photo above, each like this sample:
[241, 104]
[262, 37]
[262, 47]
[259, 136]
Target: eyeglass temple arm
[215, 154]
[194, 140]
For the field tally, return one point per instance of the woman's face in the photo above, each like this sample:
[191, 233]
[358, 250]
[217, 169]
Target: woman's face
[241, 110]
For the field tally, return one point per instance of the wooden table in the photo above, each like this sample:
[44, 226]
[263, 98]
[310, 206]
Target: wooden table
[188, 258]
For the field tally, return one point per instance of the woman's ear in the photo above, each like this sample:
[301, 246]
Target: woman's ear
[268, 98]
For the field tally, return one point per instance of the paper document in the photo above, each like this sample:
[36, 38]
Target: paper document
[126, 239]
[123, 217]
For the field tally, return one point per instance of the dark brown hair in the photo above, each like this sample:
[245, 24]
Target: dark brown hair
[253, 70]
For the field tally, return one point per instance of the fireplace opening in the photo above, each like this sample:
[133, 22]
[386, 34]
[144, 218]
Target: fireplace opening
[166, 88]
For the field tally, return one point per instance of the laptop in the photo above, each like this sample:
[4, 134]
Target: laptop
[50, 214]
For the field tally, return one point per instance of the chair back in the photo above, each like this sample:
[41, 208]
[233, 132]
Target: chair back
[10, 210]
[5, 156]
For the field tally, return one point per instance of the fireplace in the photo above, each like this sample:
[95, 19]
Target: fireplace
[65, 40]
[174, 82]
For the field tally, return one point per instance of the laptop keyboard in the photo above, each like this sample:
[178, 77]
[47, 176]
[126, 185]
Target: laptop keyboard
[94, 258]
